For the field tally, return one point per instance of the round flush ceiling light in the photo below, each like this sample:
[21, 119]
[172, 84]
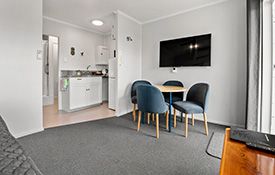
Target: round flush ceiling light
[97, 22]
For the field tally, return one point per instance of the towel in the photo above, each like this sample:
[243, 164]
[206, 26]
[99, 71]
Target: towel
[64, 84]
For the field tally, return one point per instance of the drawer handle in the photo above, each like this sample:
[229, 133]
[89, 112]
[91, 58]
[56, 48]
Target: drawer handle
[79, 79]
[87, 89]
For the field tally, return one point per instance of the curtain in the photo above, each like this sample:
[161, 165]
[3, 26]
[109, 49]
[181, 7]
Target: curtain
[254, 64]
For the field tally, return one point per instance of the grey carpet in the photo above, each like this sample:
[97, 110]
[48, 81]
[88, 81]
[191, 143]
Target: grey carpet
[112, 146]
[215, 145]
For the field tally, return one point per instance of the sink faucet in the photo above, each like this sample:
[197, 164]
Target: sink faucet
[89, 67]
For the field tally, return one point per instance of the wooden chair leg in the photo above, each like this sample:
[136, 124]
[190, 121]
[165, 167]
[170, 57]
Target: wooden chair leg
[166, 118]
[205, 123]
[157, 125]
[186, 125]
[148, 118]
[134, 112]
[139, 118]
[175, 118]
[153, 117]
[193, 120]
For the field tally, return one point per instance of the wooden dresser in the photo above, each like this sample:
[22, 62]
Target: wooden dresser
[238, 159]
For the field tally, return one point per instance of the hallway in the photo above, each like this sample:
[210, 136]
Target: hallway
[53, 118]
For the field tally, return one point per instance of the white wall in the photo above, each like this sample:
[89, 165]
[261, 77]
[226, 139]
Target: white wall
[21, 72]
[273, 82]
[129, 60]
[227, 74]
[74, 37]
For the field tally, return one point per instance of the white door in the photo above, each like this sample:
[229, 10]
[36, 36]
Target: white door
[113, 67]
[112, 93]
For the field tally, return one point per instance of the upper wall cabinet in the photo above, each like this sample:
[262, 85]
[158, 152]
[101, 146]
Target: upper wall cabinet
[102, 55]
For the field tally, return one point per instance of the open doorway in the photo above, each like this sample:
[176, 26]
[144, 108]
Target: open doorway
[79, 73]
[50, 69]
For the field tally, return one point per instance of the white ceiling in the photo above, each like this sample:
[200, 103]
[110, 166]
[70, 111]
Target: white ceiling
[81, 12]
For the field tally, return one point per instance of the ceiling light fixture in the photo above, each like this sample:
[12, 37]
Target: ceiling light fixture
[97, 22]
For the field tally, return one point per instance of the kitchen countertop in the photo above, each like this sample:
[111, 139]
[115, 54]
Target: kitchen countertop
[83, 73]
[103, 76]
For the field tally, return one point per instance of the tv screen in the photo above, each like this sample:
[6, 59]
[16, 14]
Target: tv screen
[190, 51]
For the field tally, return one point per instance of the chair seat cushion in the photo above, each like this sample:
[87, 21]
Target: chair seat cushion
[134, 99]
[188, 107]
[174, 99]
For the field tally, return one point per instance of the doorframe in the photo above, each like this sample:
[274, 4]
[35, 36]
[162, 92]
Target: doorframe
[58, 72]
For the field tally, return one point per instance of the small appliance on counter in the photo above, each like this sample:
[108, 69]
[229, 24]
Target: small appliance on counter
[78, 73]
[104, 71]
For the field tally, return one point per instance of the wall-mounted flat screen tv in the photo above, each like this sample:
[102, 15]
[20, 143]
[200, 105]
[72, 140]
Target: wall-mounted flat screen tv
[190, 51]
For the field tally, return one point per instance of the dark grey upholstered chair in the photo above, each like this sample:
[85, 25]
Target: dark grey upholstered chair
[134, 94]
[151, 101]
[196, 103]
[177, 96]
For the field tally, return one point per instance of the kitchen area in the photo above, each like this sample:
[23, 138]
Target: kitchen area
[86, 77]
[82, 89]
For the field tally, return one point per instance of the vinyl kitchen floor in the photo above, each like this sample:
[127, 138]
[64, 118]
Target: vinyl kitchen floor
[53, 118]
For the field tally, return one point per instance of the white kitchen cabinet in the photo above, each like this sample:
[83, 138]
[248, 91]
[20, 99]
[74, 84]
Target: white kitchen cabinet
[102, 55]
[83, 92]
[78, 96]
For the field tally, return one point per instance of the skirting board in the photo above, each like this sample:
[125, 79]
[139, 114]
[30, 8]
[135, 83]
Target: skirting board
[209, 121]
[219, 122]
[25, 133]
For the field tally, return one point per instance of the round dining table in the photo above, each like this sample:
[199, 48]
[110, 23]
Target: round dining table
[170, 90]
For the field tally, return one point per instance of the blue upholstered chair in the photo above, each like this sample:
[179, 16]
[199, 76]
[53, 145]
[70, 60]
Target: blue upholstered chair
[177, 96]
[196, 103]
[151, 101]
[134, 94]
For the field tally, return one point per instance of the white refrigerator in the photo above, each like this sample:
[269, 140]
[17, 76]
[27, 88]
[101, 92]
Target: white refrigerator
[112, 83]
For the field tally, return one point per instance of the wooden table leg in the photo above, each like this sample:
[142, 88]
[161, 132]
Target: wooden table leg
[205, 123]
[157, 125]
[139, 118]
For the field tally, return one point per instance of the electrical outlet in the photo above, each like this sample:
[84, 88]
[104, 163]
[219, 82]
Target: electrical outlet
[174, 70]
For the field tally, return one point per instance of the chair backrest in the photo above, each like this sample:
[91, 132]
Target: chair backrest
[150, 99]
[198, 94]
[136, 84]
[175, 94]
